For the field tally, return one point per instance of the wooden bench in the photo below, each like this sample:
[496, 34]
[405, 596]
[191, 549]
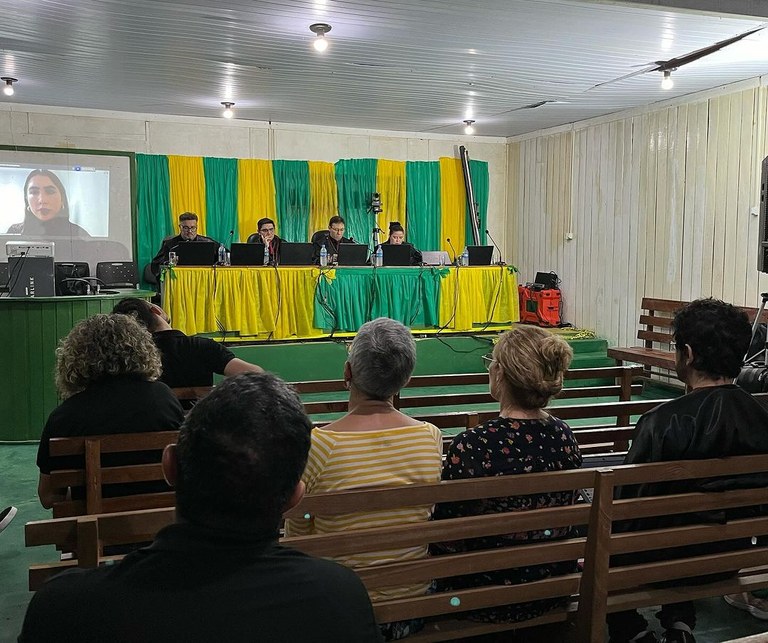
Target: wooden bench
[602, 588]
[656, 332]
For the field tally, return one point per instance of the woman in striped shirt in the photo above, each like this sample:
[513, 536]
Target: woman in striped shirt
[374, 445]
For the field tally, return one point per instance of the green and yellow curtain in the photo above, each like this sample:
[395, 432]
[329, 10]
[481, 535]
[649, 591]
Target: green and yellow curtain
[426, 197]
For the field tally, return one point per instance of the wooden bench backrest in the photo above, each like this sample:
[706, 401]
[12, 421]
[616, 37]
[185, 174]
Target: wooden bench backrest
[93, 475]
[602, 575]
[623, 389]
[657, 315]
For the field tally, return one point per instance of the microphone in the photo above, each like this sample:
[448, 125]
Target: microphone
[352, 240]
[501, 262]
[448, 239]
[231, 236]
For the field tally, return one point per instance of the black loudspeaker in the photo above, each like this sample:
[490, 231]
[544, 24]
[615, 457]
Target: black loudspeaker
[30, 276]
[762, 253]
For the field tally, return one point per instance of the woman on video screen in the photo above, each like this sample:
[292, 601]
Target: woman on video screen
[46, 211]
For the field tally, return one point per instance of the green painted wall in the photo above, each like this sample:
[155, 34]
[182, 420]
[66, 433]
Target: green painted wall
[30, 330]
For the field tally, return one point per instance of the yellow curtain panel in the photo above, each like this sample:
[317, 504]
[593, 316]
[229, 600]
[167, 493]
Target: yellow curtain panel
[390, 183]
[187, 179]
[453, 204]
[255, 194]
[323, 199]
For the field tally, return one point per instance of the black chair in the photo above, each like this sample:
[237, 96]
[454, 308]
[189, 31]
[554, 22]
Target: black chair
[117, 274]
[4, 277]
[254, 238]
[68, 277]
[149, 276]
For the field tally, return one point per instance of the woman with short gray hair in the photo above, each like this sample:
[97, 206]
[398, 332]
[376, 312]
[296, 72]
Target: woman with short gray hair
[374, 445]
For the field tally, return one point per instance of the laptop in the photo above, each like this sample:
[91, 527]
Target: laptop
[246, 254]
[353, 254]
[197, 253]
[435, 258]
[296, 254]
[394, 255]
[480, 255]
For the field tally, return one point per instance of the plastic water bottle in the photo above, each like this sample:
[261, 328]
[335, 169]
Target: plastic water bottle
[379, 257]
[266, 254]
[222, 255]
[323, 256]
[465, 257]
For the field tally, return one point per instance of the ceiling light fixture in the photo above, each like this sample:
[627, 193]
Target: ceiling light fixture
[8, 89]
[667, 82]
[469, 130]
[227, 113]
[320, 28]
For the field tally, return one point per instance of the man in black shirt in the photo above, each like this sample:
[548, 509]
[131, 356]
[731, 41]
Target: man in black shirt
[187, 361]
[714, 419]
[218, 574]
[187, 233]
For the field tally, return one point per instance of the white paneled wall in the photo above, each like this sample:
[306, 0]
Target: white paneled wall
[151, 134]
[659, 204]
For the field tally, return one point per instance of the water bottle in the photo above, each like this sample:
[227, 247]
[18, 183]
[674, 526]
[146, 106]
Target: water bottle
[323, 256]
[465, 257]
[222, 255]
[379, 260]
[266, 254]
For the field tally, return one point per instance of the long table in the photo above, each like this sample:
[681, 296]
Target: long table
[308, 302]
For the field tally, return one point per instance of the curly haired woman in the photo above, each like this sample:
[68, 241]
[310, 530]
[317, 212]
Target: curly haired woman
[106, 372]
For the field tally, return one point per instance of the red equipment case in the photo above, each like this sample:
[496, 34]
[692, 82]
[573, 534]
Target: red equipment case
[539, 306]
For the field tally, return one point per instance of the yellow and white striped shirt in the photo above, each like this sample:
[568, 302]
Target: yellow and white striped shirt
[342, 460]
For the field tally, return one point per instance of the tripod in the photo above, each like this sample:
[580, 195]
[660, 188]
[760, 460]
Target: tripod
[755, 327]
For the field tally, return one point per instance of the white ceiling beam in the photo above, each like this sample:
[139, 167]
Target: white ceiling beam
[743, 8]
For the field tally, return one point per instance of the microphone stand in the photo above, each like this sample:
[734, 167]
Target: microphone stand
[448, 239]
[500, 262]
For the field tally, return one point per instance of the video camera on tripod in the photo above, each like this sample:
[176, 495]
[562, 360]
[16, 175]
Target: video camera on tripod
[754, 374]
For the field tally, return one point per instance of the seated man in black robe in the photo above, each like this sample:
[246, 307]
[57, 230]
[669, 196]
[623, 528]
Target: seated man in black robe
[330, 238]
[714, 419]
[187, 233]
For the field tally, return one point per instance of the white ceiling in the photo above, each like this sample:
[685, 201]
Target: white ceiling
[409, 65]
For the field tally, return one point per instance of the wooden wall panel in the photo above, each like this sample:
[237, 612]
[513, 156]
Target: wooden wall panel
[659, 204]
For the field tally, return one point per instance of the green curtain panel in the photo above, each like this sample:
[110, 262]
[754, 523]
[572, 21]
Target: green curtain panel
[292, 199]
[356, 182]
[153, 206]
[221, 199]
[357, 295]
[422, 180]
[479, 172]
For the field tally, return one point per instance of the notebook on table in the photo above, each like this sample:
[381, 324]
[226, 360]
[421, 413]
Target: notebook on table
[246, 254]
[353, 254]
[196, 253]
[296, 254]
[396, 255]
